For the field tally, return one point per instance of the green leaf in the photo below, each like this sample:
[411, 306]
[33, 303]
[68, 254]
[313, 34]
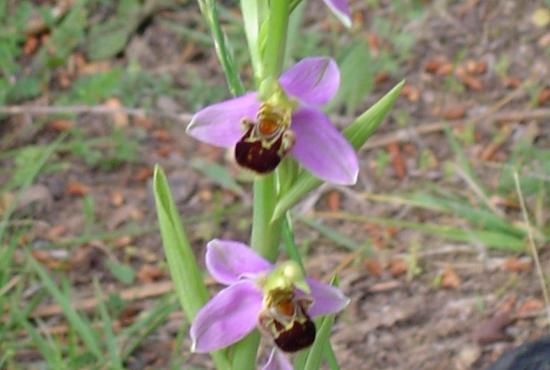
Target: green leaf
[330, 357]
[357, 134]
[289, 244]
[311, 358]
[122, 272]
[183, 266]
[188, 282]
[316, 353]
[108, 39]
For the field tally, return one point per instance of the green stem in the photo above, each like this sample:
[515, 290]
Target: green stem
[210, 12]
[265, 234]
[254, 12]
[294, 4]
[276, 39]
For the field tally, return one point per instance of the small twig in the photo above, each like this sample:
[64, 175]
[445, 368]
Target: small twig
[533, 246]
[385, 286]
[35, 110]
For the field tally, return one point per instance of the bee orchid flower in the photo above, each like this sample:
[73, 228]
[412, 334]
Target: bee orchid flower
[263, 133]
[278, 300]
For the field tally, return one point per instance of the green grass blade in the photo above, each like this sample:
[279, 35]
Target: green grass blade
[115, 361]
[481, 218]
[357, 134]
[459, 154]
[48, 349]
[330, 233]
[316, 352]
[210, 13]
[217, 174]
[311, 358]
[134, 334]
[182, 264]
[491, 239]
[289, 244]
[330, 357]
[79, 323]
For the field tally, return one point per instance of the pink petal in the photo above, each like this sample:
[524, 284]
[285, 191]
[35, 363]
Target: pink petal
[340, 8]
[313, 81]
[228, 317]
[228, 261]
[220, 124]
[326, 299]
[322, 149]
[277, 361]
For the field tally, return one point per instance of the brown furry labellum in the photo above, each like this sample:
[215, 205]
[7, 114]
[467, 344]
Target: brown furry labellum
[266, 141]
[286, 320]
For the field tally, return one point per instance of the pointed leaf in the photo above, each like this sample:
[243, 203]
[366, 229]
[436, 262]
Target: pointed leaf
[316, 353]
[184, 270]
[183, 266]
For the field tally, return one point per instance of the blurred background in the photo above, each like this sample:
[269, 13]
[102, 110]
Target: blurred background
[432, 244]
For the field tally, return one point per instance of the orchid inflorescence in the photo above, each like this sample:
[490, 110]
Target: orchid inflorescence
[280, 123]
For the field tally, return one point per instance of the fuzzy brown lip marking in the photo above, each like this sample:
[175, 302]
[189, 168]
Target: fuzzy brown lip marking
[265, 142]
[300, 335]
[285, 318]
[252, 154]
